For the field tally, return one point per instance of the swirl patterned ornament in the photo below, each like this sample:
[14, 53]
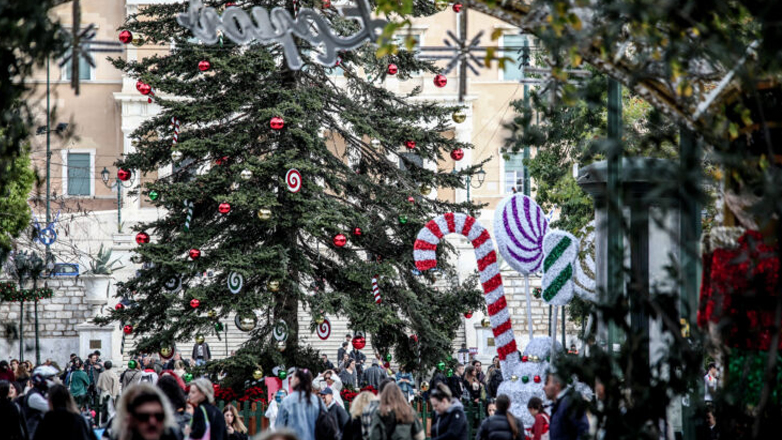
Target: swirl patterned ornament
[173, 284]
[293, 180]
[585, 266]
[520, 225]
[324, 329]
[280, 331]
[235, 282]
[561, 250]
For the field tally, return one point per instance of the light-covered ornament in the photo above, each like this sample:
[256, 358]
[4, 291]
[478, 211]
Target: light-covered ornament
[246, 174]
[273, 286]
[264, 214]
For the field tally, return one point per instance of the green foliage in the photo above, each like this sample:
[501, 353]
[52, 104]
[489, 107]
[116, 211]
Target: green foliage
[225, 113]
[102, 264]
[14, 210]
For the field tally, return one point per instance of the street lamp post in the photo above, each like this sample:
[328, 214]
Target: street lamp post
[480, 175]
[119, 184]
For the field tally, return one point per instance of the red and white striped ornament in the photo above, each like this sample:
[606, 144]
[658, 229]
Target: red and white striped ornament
[376, 290]
[293, 180]
[491, 280]
[324, 329]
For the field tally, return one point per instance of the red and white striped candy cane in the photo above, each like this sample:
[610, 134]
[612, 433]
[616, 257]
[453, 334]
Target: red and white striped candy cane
[376, 290]
[425, 257]
[175, 126]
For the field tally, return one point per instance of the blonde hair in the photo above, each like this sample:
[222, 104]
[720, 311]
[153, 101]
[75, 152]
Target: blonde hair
[127, 403]
[360, 402]
[207, 389]
[237, 424]
[392, 400]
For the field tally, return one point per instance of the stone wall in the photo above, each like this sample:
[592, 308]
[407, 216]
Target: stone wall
[57, 320]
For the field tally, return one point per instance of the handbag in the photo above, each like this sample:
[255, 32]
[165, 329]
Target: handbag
[206, 435]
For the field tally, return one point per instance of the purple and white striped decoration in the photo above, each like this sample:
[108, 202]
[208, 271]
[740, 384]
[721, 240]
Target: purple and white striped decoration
[519, 227]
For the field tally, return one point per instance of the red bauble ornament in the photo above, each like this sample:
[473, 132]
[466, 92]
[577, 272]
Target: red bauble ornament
[536, 379]
[326, 4]
[119, 306]
[145, 89]
[457, 154]
[414, 338]
[139, 83]
[123, 174]
[204, 65]
[194, 303]
[457, 7]
[524, 358]
[359, 342]
[392, 69]
[386, 365]
[468, 315]
[411, 199]
[229, 4]
[340, 240]
[440, 80]
[142, 237]
[221, 160]
[224, 208]
[195, 253]
[125, 37]
[357, 231]
[128, 329]
[276, 123]
[410, 144]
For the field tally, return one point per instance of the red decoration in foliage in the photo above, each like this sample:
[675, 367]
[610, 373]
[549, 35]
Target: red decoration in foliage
[142, 237]
[195, 253]
[119, 306]
[139, 83]
[359, 342]
[468, 315]
[326, 4]
[128, 329]
[392, 69]
[340, 240]
[457, 7]
[144, 88]
[414, 338]
[194, 303]
[204, 65]
[348, 395]
[125, 37]
[357, 231]
[224, 208]
[276, 123]
[411, 199]
[524, 358]
[440, 80]
[221, 160]
[457, 154]
[410, 144]
[536, 379]
[123, 174]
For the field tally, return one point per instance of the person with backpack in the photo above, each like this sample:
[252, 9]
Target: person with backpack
[132, 375]
[301, 409]
[395, 419]
[208, 422]
[502, 425]
[35, 403]
[539, 430]
[449, 422]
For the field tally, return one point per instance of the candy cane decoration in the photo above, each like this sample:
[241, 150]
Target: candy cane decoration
[376, 290]
[491, 280]
[189, 207]
[175, 126]
[293, 180]
[324, 329]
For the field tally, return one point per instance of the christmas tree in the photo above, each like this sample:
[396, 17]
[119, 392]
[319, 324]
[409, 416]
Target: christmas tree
[301, 189]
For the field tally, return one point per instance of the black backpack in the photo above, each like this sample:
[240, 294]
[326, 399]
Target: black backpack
[326, 427]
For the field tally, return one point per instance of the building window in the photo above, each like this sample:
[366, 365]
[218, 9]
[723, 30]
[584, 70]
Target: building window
[85, 70]
[514, 174]
[79, 172]
[514, 44]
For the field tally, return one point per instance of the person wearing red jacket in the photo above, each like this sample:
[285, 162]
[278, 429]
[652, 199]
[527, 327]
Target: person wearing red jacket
[539, 430]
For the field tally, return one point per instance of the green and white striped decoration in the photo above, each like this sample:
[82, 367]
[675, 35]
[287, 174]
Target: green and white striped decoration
[560, 250]
[189, 207]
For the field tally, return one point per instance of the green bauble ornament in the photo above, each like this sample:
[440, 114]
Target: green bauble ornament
[525, 379]
[449, 373]
[402, 219]
[441, 365]
[219, 326]
[153, 195]
[132, 364]
[388, 357]
[282, 374]
[188, 377]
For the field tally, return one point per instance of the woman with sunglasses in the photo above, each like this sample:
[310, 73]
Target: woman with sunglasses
[143, 413]
[63, 421]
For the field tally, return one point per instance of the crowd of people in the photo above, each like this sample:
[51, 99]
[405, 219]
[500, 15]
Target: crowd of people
[151, 400]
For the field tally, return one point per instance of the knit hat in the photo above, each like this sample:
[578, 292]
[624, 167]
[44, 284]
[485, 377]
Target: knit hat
[205, 386]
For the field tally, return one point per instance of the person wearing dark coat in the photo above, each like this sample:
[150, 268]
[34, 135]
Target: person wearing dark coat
[63, 421]
[374, 375]
[449, 422]
[201, 396]
[335, 409]
[456, 382]
[201, 353]
[502, 425]
[12, 420]
[567, 422]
